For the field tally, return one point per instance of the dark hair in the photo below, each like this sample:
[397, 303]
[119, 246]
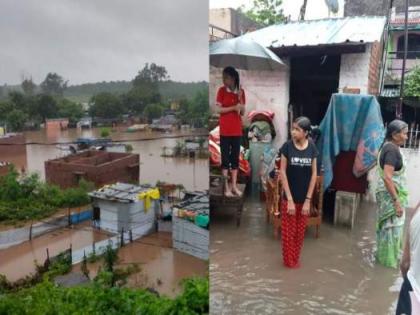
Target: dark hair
[230, 71]
[304, 123]
[315, 133]
[394, 127]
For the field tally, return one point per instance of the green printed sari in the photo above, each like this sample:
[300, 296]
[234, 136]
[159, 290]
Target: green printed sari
[389, 227]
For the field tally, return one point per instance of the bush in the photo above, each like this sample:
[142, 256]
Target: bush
[45, 298]
[105, 132]
[28, 198]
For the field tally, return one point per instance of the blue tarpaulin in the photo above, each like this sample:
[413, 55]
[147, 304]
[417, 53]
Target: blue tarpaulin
[81, 216]
[352, 123]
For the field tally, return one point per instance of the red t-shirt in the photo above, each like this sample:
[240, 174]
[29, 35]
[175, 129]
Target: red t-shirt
[230, 123]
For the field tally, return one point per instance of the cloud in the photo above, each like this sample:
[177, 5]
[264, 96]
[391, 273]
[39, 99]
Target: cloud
[102, 40]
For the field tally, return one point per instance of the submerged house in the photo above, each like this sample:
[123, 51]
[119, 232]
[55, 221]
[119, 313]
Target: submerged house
[126, 208]
[13, 150]
[323, 57]
[99, 167]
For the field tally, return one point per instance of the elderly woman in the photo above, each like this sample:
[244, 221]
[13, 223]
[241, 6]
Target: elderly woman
[391, 195]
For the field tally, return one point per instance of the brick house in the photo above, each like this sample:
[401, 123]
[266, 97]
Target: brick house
[13, 150]
[99, 167]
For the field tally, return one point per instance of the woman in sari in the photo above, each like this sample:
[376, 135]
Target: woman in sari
[391, 195]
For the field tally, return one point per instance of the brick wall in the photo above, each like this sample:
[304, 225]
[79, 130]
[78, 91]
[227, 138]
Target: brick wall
[118, 167]
[354, 71]
[13, 150]
[374, 68]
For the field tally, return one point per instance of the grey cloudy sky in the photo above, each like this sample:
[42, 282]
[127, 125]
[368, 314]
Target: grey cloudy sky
[102, 40]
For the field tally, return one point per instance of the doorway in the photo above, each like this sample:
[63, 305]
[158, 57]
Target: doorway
[313, 80]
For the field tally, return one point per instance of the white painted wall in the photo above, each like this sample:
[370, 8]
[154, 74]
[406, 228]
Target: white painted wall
[354, 70]
[263, 90]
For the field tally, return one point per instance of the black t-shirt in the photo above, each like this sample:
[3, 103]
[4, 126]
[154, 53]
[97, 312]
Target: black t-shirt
[391, 155]
[299, 168]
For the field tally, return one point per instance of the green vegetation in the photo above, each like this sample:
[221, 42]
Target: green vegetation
[46, 298]
[412, 83]
[147, 96]
[266, 12]
[105, 132]
[27, 198]
[106, 294]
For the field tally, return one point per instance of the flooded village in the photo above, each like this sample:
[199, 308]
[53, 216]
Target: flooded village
[162, 266]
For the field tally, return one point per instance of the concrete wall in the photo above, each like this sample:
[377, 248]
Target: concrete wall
[231, 21]
[221, 18]
[397, 63]
[373, 7]
[354, 71]
[263, 90]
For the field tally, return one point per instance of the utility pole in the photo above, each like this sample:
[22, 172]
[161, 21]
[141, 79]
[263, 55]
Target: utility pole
[398, 112]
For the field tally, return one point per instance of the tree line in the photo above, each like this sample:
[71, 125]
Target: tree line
[34, 104]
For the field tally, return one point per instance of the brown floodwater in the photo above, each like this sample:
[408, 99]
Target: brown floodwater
[161, 267]
[192, 173]
[18, 261]
[338, 273]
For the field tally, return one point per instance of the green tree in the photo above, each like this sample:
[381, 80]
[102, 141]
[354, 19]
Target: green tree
[18, 99]
[145, 88]
[266, 12]
[53, 84]
[412, 83]
[150, 74]
[5, 108]
[71, 110]
[16, 120]
[2, 92]
[46, 106]
[28, 86]
[106, 105]
[153, 111]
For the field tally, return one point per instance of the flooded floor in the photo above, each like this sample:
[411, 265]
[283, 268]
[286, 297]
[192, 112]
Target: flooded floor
[192, 173]
[161, 267]
[18, 261]
[338, 274]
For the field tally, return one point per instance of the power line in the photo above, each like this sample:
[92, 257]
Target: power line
[200, 134]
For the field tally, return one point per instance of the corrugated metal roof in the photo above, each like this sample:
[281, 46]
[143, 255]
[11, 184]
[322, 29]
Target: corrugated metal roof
[119, 192]
[321, 32]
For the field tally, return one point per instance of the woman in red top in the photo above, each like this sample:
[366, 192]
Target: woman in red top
[231, 105]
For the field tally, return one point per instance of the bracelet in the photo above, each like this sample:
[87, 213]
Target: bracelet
[307, 198]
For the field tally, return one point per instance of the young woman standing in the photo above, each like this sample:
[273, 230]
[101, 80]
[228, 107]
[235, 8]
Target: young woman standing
[231, 105]
[298, 172]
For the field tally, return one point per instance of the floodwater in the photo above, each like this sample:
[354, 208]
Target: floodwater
[161, 267]
[18, 261]
[338, 274]
[192, 173]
